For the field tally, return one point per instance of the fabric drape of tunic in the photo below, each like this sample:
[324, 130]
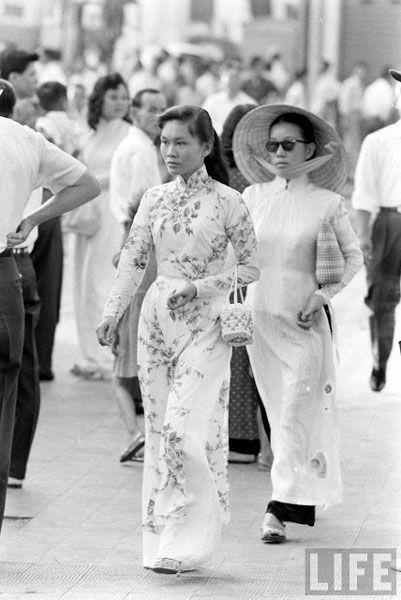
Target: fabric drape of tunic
[93, 269]
[183, 361]
[293, 367]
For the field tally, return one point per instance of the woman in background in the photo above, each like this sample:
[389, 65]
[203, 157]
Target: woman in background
[94, 273]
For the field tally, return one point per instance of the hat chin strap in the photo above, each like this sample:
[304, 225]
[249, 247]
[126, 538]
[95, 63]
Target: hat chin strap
[296, 170]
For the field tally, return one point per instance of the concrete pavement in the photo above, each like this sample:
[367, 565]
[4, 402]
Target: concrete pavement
[73, 531]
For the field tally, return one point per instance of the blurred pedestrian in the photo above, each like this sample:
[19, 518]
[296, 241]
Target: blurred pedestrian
[296, 93]
[221, 103]
[284, 151]
[28, 162]
[349, 105]
[377, 106]
[256, 85]
[18, 67]
[47, 254]
[146, 75]
[49, 67]
[134, 169]
[278, 73]
[244, 398]
[94, 248]
[377, 200]
[324, 101]
[183, 361]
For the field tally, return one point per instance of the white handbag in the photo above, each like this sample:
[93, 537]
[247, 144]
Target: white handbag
[236, 318]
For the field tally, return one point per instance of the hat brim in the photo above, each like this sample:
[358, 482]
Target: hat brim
[395, 74]
[250, 139]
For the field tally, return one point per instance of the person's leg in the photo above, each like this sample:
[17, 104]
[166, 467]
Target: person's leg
[28, 394]
[11, 342]
[47, 259]
[384, 273]
[126, 405]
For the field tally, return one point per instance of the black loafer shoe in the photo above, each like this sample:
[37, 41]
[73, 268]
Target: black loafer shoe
[46, 376]
[377, 379]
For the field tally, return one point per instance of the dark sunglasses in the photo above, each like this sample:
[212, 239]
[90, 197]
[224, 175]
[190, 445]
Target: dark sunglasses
[288, 145]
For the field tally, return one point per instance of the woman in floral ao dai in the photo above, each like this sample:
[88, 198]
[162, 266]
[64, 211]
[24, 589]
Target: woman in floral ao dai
[183, 362]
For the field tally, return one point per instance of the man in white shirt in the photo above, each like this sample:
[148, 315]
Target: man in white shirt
[28, 162]
[349, 106]
[377, 198]
[220, 105]
[134, 169]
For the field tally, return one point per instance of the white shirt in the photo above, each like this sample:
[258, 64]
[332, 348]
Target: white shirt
[378, 170]
[28, 161]
[61, 129]
[134, 169]
[378, 100]
[350, 96]
[220, 105]
[326, 90]
[296, 95]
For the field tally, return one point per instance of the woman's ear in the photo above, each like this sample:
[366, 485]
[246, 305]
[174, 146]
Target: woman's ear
[310, 150]
[208, 148]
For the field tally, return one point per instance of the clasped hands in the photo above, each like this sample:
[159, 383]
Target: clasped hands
[308, 317]
[107, 330]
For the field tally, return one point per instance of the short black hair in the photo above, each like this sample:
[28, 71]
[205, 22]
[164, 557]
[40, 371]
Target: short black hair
[136, 101]
[7, 98]
[50, 93]
[15, 61]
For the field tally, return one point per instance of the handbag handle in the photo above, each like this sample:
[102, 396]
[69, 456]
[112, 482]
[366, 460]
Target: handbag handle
[234, 288]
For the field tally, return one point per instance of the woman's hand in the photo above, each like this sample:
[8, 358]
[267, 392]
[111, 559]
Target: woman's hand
[107, 332]
[310, 314]
[23, 230]
[178, 299]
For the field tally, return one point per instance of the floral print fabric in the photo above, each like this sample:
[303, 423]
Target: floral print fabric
[183, 362]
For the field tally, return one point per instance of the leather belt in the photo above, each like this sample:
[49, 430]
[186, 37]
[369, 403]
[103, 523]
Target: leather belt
[390, 209]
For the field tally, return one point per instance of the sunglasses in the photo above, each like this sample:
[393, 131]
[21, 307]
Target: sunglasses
[288, 145]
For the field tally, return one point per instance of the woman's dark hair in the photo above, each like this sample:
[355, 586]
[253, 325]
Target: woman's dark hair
[7, 99]
[300, 121]
[226, 137]
[95, 102]
[200, 126]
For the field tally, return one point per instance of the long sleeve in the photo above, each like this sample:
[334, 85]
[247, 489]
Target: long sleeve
[240, 232]
[133, 262]
[350, 249]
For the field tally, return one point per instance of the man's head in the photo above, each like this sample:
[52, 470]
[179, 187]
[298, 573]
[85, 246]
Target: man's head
[18, 67]
[7, 99]
[146, 107]
[52, 96]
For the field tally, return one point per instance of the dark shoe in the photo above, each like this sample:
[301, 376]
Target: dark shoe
[377, 379]
[130, 453]
[46, 376]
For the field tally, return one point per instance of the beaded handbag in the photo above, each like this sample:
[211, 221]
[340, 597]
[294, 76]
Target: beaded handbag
[236, 318]
[329, 258]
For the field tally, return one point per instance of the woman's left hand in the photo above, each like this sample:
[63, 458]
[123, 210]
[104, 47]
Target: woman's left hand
[310, 314]
[178, 299]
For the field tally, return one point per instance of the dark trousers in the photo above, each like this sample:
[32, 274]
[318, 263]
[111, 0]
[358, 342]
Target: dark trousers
[11, 342]
[47, 259]
[383, 273]
[28, 393]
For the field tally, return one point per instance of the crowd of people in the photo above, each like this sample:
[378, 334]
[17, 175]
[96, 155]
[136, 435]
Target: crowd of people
[204, 175]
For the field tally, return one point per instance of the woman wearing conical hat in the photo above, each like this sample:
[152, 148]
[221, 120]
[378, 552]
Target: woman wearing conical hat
[296, 164]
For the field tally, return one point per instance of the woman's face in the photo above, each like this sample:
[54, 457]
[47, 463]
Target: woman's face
[115, 103]
[182, 152]
[301, 152]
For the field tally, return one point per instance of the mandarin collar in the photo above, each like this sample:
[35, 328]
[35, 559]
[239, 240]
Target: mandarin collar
[195, 182]
[292, 184]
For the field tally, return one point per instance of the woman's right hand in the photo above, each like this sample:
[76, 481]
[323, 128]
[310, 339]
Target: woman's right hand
[107, 331]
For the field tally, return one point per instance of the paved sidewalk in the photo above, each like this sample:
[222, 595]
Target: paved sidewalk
[74, 529]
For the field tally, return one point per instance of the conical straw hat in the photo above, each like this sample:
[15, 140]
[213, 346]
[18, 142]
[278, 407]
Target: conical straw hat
[251, 135]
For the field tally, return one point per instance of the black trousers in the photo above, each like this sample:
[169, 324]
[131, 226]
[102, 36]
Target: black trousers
[47, 259]
[383, 273]
[11, 342]
[28, 393]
